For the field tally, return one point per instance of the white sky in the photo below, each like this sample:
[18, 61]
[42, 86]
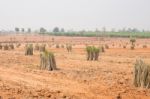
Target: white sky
[74, 14]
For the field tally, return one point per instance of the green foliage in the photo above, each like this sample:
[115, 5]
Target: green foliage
[141, 74]
[106, 34]
[62, 30]
[43, 30]
[96, 53]
[92, 53]
[56, 30]
[47, 61]
[29, 30]
[17, 29]
[132, 40]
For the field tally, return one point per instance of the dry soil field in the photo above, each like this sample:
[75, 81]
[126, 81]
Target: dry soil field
[111, 77]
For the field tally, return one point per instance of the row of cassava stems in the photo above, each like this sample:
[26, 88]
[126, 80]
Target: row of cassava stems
[9, 46]
[141, 74]
[93, 52]
[47, 59]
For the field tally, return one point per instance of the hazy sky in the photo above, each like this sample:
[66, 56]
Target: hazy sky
[74, 14]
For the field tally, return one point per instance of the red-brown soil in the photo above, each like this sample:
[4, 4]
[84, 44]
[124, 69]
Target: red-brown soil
[110, 77]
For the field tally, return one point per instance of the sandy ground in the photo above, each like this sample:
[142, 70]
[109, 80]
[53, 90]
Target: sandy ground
[110, 77]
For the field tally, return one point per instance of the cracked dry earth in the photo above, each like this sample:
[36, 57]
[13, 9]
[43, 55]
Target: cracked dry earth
[76, 78]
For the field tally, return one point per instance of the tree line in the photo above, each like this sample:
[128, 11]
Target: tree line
[41, 30]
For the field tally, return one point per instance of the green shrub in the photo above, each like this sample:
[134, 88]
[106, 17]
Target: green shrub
[47, 61]
[96, 53]
[92, 53]
[141, 74]
[132, 40]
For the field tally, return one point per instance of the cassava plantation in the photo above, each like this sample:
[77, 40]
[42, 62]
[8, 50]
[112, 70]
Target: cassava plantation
[74, 49]
[78, 70]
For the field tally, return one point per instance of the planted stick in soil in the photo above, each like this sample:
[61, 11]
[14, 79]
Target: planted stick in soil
[29, 49]
[47, 61]
[141, 74]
